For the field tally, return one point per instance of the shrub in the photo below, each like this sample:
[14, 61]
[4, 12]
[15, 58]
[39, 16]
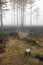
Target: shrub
[2, 44]
[31, 42]
[2, 47]
[3, 40]
[14, 34]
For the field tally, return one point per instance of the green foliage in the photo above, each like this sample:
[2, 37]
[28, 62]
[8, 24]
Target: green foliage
[14, 34]
[2, 47]
[3, 34]
[3, 41]
[31, 41]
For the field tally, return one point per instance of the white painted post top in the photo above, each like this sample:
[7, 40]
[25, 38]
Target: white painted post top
[28, 50]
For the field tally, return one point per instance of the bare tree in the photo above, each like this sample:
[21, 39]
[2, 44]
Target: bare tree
[1, 9]
[22, 4]
[15, 2]
[37, 11]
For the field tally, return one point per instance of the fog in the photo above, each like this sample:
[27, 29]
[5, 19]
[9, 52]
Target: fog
[10, 20]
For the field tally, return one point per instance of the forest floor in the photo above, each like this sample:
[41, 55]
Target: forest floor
[15, 51]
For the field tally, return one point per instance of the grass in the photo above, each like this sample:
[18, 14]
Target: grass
[32, 42]
[15, 52]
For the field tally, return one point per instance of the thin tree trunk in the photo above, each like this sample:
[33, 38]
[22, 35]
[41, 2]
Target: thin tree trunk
[30, 16]
[21, 16]
[14, 14]
[17, 15]
[37, 17]
[1, 19]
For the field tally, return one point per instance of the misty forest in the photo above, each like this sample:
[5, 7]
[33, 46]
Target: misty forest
[21, 32]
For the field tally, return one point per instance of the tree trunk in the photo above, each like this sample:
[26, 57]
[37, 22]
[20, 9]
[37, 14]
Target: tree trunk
[1, 19]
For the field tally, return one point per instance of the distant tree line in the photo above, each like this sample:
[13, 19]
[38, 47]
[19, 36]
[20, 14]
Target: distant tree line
[20, 7]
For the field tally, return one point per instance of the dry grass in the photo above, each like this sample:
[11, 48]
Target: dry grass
[15, 50]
